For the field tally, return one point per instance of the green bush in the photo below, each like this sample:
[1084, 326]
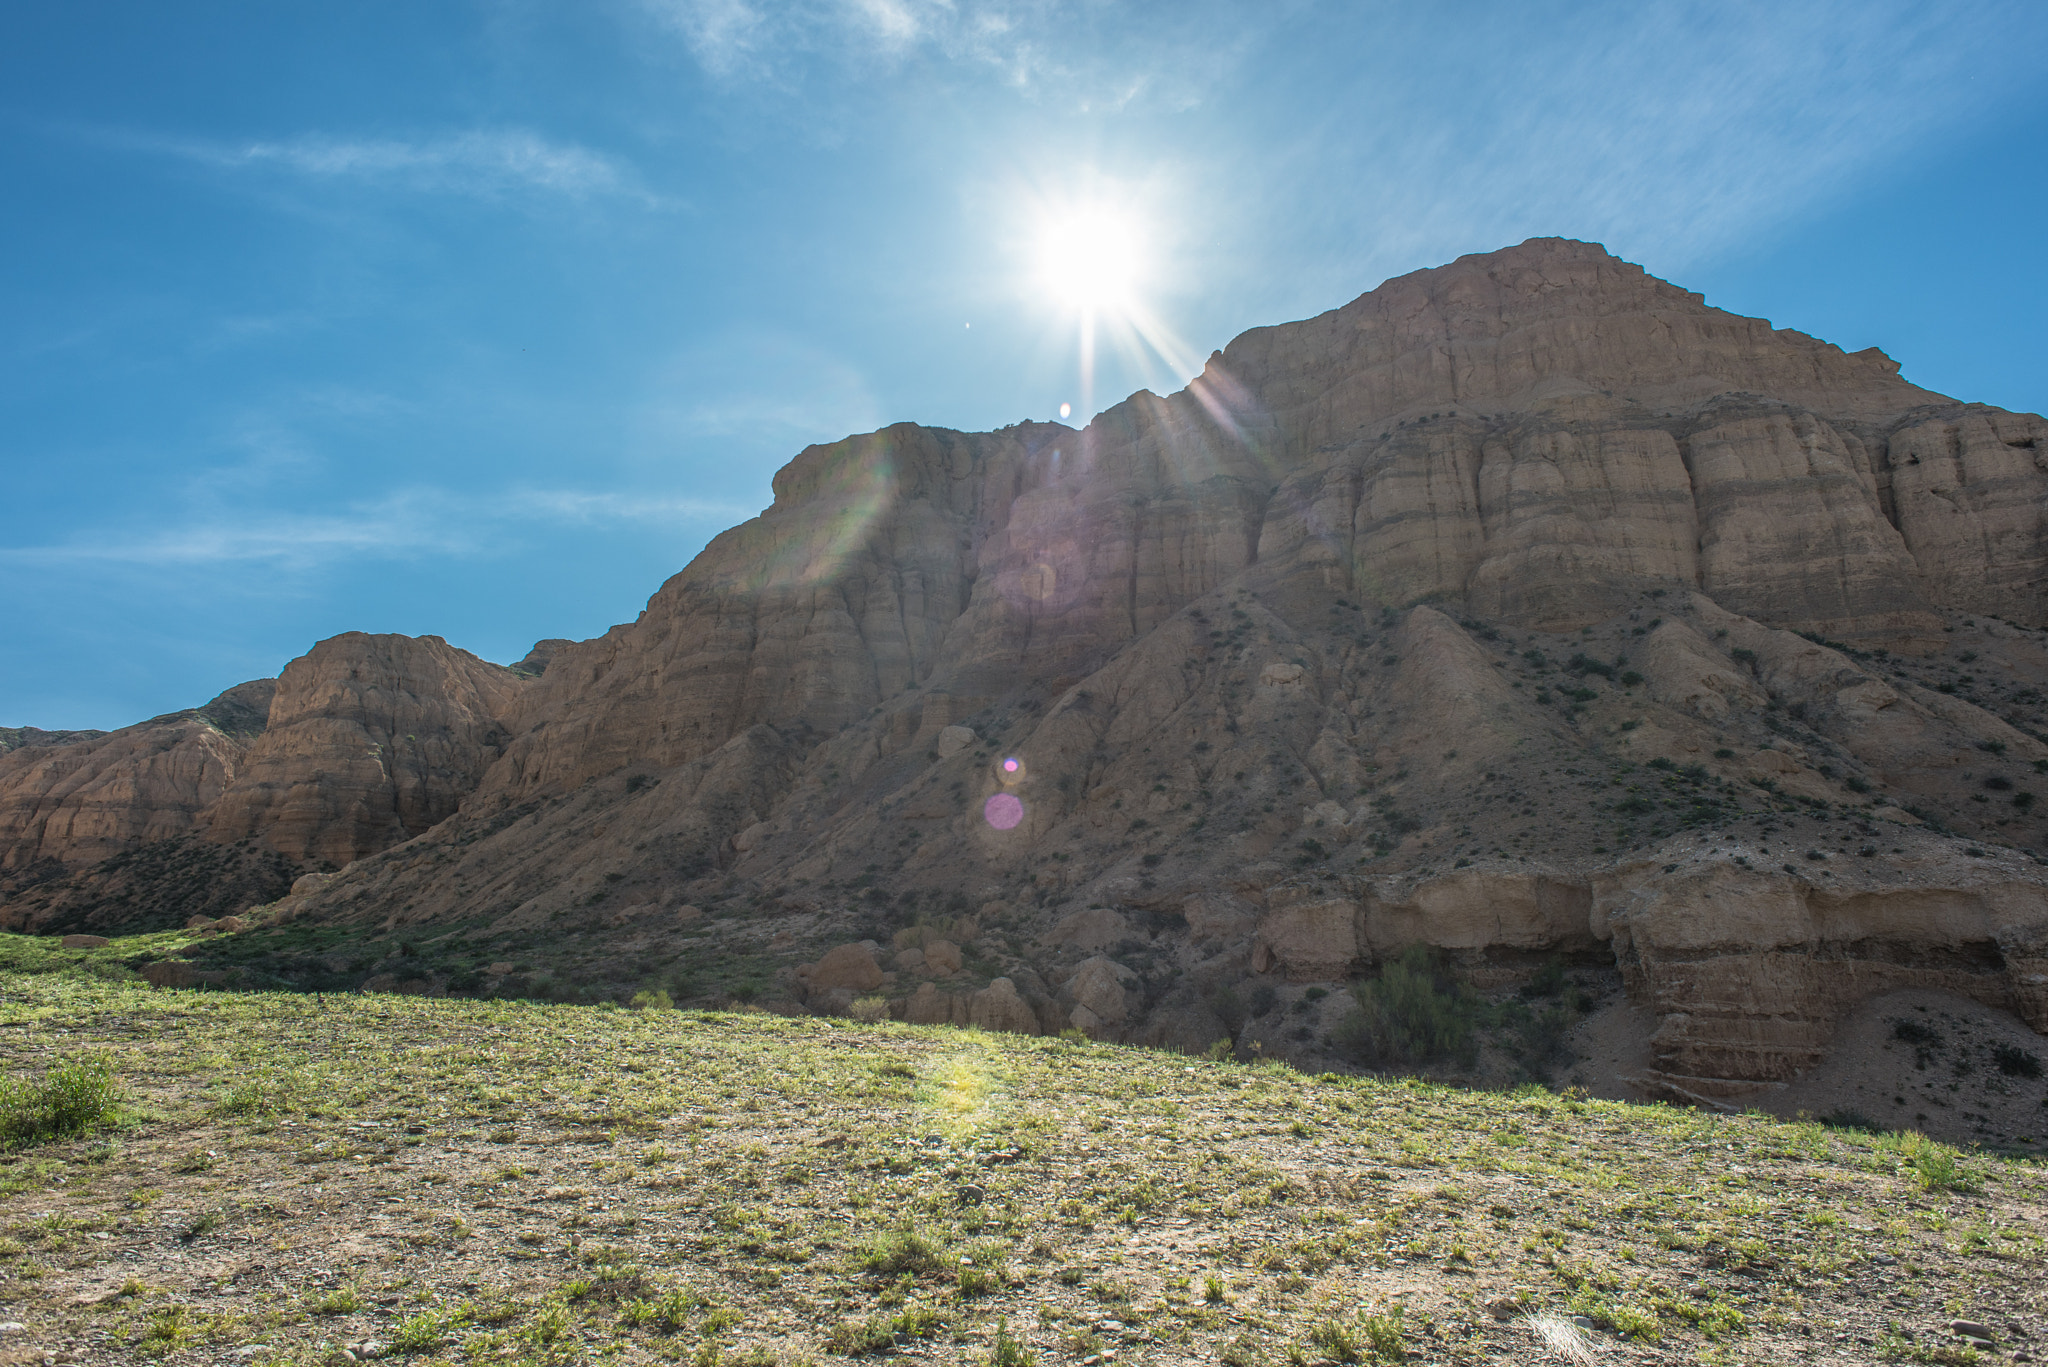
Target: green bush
[653, 999]
[1412, 1013]
[74, 1098]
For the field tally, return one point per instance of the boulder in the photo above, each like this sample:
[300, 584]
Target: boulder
[942, 957]
[851, 967]
[1098, 984]
[953, 739]
[999, 1007]
[83, 942]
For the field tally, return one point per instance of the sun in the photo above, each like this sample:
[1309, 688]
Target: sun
[1091, 260]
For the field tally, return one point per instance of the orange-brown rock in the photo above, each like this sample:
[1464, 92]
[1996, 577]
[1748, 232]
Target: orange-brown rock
[75, 803]
[372, 739]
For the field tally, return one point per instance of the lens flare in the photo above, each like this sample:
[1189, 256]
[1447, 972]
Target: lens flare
[1010, 771]
[1066, 410]
[1004, 811]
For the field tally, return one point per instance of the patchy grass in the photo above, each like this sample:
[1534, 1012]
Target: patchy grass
[501, 1182]
[73, 1097]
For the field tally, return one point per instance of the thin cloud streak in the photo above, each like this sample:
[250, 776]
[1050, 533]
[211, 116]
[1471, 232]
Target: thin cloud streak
[478, 162]
[407, 526]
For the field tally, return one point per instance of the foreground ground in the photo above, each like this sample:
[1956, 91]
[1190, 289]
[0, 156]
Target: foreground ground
[452, 1181]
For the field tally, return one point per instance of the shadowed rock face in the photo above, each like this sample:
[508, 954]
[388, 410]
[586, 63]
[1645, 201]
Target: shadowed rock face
[1522, 606]
[364, 742]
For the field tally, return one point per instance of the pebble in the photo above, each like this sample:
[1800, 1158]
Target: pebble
[1582, 1323]
[13, 1327]
[1969, 1329]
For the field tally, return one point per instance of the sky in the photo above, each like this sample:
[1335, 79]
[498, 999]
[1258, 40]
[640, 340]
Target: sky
[479, 318]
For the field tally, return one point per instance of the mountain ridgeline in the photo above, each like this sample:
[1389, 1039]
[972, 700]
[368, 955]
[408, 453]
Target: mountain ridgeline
[1527, 610]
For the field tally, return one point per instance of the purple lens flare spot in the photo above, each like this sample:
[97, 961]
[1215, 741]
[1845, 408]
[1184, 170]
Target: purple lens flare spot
[1003, 811]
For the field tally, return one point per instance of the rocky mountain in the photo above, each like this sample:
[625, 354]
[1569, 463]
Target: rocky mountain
[1527, 608]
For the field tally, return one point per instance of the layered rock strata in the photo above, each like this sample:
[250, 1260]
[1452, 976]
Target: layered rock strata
[1523, 607]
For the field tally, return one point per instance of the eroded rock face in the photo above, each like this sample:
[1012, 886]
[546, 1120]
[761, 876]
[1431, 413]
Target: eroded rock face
[71, 804]
[1522, 607]
[1749, 972]
[372, 739]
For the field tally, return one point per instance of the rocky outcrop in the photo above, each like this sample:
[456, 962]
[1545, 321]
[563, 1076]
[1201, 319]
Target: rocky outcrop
[372, 739]
[1749, 971]
[1524, 607]
[66, 805]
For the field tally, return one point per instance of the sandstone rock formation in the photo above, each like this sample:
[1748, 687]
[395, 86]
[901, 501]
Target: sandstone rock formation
[363, 742]
[1523, 607]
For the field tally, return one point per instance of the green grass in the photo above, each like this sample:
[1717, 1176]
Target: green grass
[508, 1182]
[73, 1098]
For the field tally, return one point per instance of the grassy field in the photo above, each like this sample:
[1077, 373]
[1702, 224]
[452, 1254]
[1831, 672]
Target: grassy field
[295, 1179]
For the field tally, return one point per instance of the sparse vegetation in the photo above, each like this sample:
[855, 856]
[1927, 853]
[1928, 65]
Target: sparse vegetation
[462, 1181]
[74, 1097]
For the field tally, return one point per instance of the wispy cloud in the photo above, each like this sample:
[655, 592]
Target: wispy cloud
[486, 162]
[1671, 131]
[1066, 49]
[409, 525]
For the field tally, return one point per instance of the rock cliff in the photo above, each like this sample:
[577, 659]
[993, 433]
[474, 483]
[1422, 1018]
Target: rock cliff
[1523, 608]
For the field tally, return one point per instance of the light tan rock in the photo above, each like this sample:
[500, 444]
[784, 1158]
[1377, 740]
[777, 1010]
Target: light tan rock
[83, 942]
[909, 960]
[1312, 939]
[848, 966]
[942, 957]
[97, 797]
[999, 1007]
[952, 740]
[1094, 928]
[1099, 986]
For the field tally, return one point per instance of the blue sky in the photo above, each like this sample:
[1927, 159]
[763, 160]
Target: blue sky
[479, 319]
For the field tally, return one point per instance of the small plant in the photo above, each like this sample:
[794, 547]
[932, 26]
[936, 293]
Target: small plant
[652, 999]
[344, 1301]
[869, 1010]
[1336, 1341]
[1383, 1332]
[903, 1250]
[421, 1333]
[1008, 1352]
[75, 1097]
[1212, 1288]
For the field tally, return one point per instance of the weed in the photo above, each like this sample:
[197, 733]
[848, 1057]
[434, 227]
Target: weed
[1008, 1352]
[75, 1097]
[904, 1250]
[1410, 1014]
[421, 1333]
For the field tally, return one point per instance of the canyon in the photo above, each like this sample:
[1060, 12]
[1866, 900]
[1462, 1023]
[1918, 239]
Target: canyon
[1527, 609]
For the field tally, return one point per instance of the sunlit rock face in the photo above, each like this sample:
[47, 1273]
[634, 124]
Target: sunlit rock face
[1452, 616]
[371, 740]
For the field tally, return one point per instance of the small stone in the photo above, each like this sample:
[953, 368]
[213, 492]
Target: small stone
[1503, 1307]
[13, 1327]
[1582, 1323]
[1969, 1329]
[971, 1195]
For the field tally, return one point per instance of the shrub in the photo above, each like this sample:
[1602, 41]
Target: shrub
[1410, 1014]
[2015, 1062]
[653, 999]
[75, 1097]
[901, 1251]
[869, 1010]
